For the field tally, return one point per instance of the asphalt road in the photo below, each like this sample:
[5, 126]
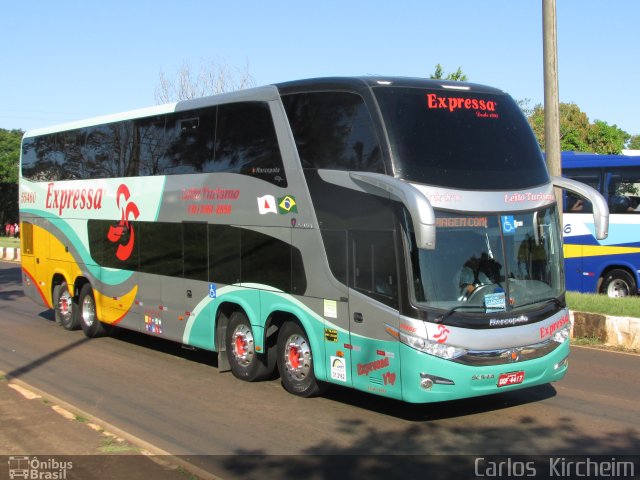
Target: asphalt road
[176, 399]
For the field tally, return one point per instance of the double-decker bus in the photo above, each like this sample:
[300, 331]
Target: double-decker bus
[610, 266]
[397, 236]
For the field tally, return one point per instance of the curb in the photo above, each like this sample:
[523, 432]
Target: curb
[10, 253]
[612, 331]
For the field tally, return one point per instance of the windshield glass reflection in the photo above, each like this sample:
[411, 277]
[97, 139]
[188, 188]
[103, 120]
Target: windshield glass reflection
[490, 263]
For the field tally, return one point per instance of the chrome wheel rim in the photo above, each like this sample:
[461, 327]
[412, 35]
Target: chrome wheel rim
[297, 357]
[88, 311]
[65, 306]
[242, 345]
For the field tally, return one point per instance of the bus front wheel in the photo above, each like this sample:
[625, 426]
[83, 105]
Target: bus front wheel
[91, 326]
[246, 364]
[618, 283]
[295, 362]
[64, 307]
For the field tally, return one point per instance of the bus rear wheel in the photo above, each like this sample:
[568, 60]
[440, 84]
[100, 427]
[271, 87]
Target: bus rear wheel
[618, 283]
[91, 326]
[246, 364]
[295, 362]
[64, 307]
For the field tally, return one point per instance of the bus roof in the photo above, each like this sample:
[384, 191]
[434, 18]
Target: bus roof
[366, 82]
[256, 94]
[595, 160]
[266, 93]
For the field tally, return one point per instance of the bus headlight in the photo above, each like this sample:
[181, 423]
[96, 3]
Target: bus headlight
[562, 334]
[441, 350]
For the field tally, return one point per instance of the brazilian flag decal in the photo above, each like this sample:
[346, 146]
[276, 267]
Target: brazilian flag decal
[287, 204]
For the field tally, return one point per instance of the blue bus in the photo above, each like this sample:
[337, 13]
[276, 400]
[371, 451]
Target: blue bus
[612, 265]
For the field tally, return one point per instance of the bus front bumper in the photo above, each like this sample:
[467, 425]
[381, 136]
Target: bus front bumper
[426, 378]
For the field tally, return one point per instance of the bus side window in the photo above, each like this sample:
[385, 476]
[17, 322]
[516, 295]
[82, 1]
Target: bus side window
[623, 189]
[246, 142]
[152, 146]
[190, 141]
[373, 265]
[27, 238]
[160, 247]
[268, 260]
[573, 203]
[576, 204]
[333, 130]
[31, 166]
[224, 254]
[195, 253]
[335, 243]
[54, 157]
[111, 151]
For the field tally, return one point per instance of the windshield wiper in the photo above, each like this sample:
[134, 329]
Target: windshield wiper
[448, 313]
[555, 300]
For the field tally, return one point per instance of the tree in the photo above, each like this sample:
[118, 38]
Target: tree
[634, 143]
[525, 106]
[577, 133]
[211, 79]
[457, 76]
[9, 164]
[605, 138]
[9, 155]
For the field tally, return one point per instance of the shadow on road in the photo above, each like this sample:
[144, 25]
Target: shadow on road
[10, 281]
[24, 369]
[443, 410]
[370, 454]
[166, 346]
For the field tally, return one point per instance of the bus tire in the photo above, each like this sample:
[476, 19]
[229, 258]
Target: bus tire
[295, 362]
[64, 307]
[245, 363]
[618, 283]
[91, 326]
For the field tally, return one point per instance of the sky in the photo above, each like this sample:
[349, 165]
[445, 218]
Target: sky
[64, 60]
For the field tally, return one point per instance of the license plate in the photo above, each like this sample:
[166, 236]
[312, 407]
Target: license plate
[512, 378]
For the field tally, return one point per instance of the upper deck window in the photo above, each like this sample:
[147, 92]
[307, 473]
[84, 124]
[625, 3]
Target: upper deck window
[460, 139]
[333, 130]
[235, 138]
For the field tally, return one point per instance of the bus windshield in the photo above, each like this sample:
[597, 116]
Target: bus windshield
[459, 139]
[491, 263]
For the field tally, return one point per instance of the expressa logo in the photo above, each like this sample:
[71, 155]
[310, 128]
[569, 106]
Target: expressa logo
[115, 234]
[62, 199]
[460, 103]
[554, 327]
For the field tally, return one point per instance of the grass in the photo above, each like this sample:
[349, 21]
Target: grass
[594, 342]
[592, 303]
[602, 304]
[587, 341]
[9, 242]
[182, 471]
[111, 445]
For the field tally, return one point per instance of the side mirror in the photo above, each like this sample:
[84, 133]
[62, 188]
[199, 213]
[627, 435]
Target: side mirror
[600, 208]
[422, 214]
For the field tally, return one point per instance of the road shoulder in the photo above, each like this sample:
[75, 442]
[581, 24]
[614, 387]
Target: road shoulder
[50, 432]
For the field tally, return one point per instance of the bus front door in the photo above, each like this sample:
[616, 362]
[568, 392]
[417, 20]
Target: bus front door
[375, 364]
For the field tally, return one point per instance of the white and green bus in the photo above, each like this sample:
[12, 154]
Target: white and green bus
[397, 236]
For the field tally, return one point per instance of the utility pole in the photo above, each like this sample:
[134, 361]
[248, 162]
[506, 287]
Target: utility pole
[551, 101]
